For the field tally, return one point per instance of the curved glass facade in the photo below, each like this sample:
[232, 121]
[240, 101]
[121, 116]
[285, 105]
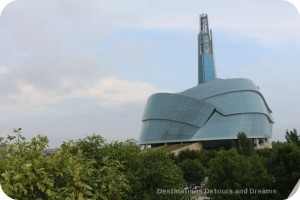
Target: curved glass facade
[217, 110]
[214, 110]
[206, 68]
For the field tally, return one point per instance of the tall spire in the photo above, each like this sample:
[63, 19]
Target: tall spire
[206, 66]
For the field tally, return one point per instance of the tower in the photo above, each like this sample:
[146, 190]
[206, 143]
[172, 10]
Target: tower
[213, 112]
[206, 66]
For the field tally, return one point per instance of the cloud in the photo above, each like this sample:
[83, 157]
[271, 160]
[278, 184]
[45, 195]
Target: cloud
[92, 63]
[113, 91]
[270, 22]
[3, 70]
[109, 91]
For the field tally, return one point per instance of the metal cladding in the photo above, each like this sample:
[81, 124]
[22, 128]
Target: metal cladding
[206, 66]
[215, 110]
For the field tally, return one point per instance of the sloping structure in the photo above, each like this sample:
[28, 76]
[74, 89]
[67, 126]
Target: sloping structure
[212, 112]
[217, 110]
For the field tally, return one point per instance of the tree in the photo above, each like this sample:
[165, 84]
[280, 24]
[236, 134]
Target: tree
[205, 156]
[188, 154]
[27, 174]
[234, 175]
[158, 172]
[259, 178]
[266, 157]
[285, 170]
[228, 171]
[292, 136]
[193, 171]
[146, 171]
[244, 145]
[90, 146]
[129, 154]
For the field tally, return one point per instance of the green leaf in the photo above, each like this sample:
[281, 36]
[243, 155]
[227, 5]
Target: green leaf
[41, 187]
[17, 177]
[88, 187]
[49, 192]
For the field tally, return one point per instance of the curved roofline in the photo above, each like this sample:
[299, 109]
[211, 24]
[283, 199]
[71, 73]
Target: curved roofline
[171, 120]
[269, 118]
[206, 93]
[218, 109]
[215, 110]
[217, 81]
[265, 102]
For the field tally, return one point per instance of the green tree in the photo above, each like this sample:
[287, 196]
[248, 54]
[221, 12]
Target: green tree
[158, 172]
[205, 156]
[27, 174]
[90, 146]
[266, 157]
[129, 154]
[193, 171]
[231, 172]
[285, 170]
[228, 172]
[292, 136]
[146, 171]
[259, 178]
[244, 145]
[188, 154]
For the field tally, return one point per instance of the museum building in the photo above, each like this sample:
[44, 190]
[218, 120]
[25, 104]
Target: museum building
[213, 112]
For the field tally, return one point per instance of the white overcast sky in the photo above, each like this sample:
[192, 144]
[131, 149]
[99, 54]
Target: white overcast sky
[71, 68]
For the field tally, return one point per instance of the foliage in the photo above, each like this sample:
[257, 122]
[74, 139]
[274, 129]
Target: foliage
[193, 171]
[187, 154]
[266, 157]
[244, 145]
[128, 153]
[292, 136]
[27, 174]
[233, 173]
[90, 146]
[205, 156]
[88, 168]
[259, 178]
[159, 172]
[146, 172]
[227, 171]
[285, 170]
[91, 168]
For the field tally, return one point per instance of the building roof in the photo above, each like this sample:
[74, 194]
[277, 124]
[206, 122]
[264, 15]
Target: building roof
[216, 110]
